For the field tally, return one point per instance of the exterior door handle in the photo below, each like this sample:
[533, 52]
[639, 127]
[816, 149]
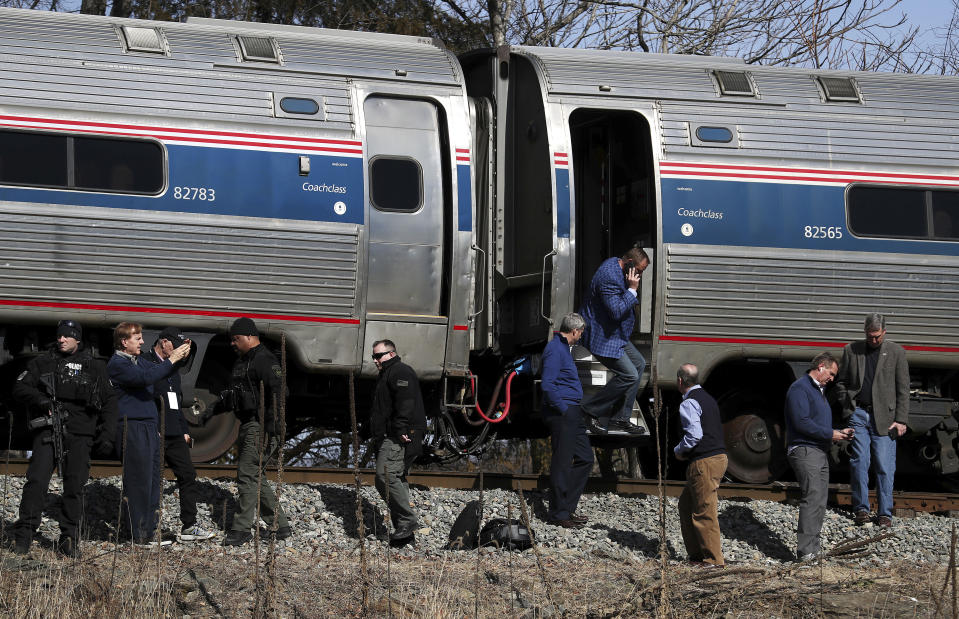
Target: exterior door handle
[542, 292]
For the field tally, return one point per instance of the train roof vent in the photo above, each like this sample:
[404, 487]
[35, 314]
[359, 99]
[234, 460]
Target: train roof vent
[839, 89]
[261, 49]
[735, 83]
[139, 39]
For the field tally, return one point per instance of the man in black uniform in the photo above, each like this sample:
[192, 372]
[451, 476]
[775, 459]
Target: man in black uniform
[176, 433]
[398, 422]
[255, 366]
[67, 376]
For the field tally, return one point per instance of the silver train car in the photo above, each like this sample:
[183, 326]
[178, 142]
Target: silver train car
[343, 187]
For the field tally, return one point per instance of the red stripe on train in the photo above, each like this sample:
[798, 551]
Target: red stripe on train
[183, 312]
[730, 340]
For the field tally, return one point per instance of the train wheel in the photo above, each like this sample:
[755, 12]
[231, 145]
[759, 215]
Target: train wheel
[755, 441]
[217, 435]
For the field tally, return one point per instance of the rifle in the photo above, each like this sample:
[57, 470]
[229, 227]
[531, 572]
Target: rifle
[55, 421]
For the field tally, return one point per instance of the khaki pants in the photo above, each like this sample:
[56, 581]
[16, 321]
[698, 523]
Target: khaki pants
[698, 507]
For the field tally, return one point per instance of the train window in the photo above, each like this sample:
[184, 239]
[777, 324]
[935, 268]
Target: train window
[33, 159]
[396, 184]
[126, 166]
[892, 212]
[97, 164]
[296, 105]
[945, 215]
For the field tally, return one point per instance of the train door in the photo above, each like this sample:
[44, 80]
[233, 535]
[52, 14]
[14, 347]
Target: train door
[615, 198]
[407, 266]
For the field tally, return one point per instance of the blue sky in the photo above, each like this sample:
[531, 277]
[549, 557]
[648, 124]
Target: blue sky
[927, 14]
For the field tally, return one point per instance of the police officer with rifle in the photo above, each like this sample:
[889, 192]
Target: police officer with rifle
[72, 406]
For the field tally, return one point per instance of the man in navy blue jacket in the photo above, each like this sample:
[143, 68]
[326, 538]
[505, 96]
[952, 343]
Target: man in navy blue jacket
[138, 434]
[809, 433]
[572, 458]
[609, 314]
[168, 394]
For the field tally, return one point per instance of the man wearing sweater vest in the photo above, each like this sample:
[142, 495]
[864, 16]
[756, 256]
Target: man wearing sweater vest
[809, 433]
[703, 446]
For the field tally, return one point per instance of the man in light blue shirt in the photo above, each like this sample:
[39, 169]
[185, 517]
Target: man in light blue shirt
[703, 445]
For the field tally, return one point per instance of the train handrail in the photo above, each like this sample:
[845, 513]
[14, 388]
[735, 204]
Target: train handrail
[542, 291]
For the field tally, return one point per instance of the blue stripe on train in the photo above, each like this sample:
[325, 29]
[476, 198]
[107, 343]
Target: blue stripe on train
[243, 182]
[711, 212]
[464, 197]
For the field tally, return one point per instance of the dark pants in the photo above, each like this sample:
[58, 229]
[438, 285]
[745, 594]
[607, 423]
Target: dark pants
[75, 474]
[571, 463]
[248, 472]
[628, 371]
[142, 483]
[392, 465]
[812, 473]
[176, 452]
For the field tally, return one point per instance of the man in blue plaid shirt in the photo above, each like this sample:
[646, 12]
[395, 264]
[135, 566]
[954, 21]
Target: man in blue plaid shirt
[609, 313]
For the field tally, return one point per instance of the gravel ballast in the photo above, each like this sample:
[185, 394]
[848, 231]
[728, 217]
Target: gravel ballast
[323, 517]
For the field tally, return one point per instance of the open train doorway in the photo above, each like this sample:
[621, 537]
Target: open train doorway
[615, 192]
[615, 206]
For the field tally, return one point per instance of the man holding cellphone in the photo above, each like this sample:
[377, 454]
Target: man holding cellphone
[609, 314]
[177, 441]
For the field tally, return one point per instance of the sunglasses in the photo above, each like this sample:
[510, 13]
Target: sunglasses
[378, 355]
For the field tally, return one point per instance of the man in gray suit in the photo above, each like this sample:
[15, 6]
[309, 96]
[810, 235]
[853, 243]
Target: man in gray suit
[873, 387]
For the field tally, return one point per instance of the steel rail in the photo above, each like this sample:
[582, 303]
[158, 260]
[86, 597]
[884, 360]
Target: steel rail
[903, 502]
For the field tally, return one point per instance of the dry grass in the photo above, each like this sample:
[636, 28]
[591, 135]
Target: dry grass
[208, 582]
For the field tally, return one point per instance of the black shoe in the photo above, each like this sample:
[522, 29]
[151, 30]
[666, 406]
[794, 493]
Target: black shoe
[283, 532]
[578, 518]
[67, 546]
[237, 538]
[626, 426]
[21, 546]
[566, 524]
[593, 425]
[403, 533]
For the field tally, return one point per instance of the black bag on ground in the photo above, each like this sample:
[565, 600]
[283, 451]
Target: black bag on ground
[502, 533]
[465, 530]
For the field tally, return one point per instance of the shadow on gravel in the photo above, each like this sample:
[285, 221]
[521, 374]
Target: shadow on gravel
[341, 502]
[738, 522]
[634, 540]
[222, 502]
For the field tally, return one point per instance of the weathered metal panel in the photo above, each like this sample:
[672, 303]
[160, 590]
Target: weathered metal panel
[903, 119]
[78, 62]
[205, 263]
[750, 293]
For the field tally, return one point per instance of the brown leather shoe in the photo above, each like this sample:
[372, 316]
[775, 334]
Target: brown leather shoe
[884, 522]
[861, 517]
[566, 524]
[578, 518]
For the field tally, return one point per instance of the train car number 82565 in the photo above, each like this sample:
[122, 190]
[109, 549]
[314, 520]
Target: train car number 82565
[822, 232]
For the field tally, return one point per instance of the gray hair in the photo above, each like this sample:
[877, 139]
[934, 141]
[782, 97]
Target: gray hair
[874, 322]
[572, 322]
[823, 358]
[688, 375]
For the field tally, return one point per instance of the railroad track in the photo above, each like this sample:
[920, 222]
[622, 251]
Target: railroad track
[905, 503]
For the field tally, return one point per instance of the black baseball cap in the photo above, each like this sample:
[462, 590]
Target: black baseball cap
[173, 334]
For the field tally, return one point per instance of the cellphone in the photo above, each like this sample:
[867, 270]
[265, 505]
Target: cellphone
[192, 440]
[629, 264]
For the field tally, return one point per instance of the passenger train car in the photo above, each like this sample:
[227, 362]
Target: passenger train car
[342, 187]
